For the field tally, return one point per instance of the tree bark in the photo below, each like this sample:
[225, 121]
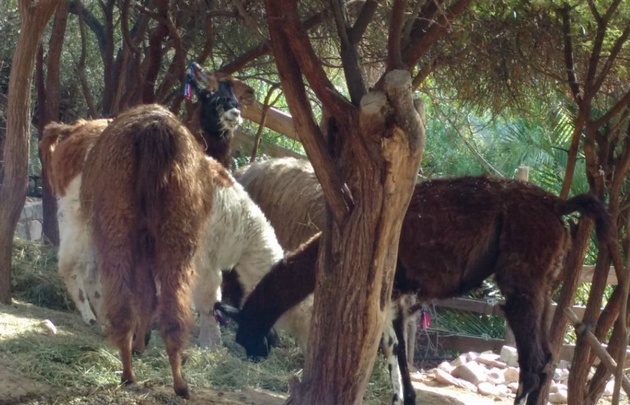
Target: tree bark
[358, 257]
[33, 20]
[55, 47]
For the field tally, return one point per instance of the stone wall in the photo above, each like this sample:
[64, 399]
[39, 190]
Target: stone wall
[29, 226]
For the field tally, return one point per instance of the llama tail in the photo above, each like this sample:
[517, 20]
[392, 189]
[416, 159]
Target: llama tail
[155, 147]
[590, 206]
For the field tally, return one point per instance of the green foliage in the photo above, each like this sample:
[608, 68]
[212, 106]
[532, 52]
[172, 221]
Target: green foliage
[469, 323]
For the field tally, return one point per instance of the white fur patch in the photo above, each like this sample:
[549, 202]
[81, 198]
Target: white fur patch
[238, 236]
[77, 264]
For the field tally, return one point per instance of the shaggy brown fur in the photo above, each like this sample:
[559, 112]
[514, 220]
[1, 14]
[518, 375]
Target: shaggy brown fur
[456, 233]
[143, 191]
[70, 144]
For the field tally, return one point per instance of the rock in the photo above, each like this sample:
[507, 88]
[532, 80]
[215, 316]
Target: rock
[504, 390]
[560, 397]
[35, 230]
[470, 356]
[491, 360]
[513, 386]
[446, 366]
[472, 372]
[561, 374]
[461, 359]
[467, 385]
[509, 356]
[511, 374]
[49, 327]
[444, 377]
[488, 389]
[496, 376]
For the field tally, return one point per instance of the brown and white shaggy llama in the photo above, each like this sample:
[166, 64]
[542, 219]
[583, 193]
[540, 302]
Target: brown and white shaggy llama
[456, 233]
[63, 149]
[144, 195]
[237, 235]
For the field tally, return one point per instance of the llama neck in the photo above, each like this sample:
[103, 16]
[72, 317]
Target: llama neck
[239, 236]
[219, 145]
[287, 284]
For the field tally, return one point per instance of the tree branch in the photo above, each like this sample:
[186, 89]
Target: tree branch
[249, 21]
[394, 54]
[593, 8]
[420, 41]
[349, 55]
[263, 48]
[610, 60]
[568, 54]
[616, 109]
[85, 88]
[364, 18]
[295, 92]
[309, 64]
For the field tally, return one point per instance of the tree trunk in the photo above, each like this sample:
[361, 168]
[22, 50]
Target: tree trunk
[358, 256]
[53, 71]
[34, 17]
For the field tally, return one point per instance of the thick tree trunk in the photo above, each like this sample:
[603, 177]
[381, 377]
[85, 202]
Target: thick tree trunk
[358, 257]
[34, 17]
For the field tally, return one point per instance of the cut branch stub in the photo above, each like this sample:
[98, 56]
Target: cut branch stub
[408, 113]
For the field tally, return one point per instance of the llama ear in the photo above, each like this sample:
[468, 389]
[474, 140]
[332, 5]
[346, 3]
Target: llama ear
[224, 311]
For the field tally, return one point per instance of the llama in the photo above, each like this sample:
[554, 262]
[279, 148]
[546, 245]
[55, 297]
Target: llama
[146, 194]
[218, 110]
[63, 149]
[456, 233]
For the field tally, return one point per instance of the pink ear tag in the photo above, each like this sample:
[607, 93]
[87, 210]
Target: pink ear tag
[425, 319]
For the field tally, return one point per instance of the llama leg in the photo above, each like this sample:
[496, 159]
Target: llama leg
[146, 303]
[175, 318]
[119, 311]
[207, 291]
[389, 345]
[524, 312]
[93, 289]
[400, 327]
[72, 269]
[411, 328]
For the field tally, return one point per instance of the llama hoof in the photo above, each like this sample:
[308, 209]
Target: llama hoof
[183, 391]
[128, 380]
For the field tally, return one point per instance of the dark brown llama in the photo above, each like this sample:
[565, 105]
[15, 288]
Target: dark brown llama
[456, 233]
[144, 197]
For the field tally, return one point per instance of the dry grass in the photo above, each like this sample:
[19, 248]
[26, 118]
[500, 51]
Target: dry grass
[78, 367]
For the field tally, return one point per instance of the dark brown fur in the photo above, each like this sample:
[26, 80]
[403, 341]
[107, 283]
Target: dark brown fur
[456, 233]
[143, 191]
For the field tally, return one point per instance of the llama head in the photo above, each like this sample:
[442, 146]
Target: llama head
[257, 345]
[210, 81]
